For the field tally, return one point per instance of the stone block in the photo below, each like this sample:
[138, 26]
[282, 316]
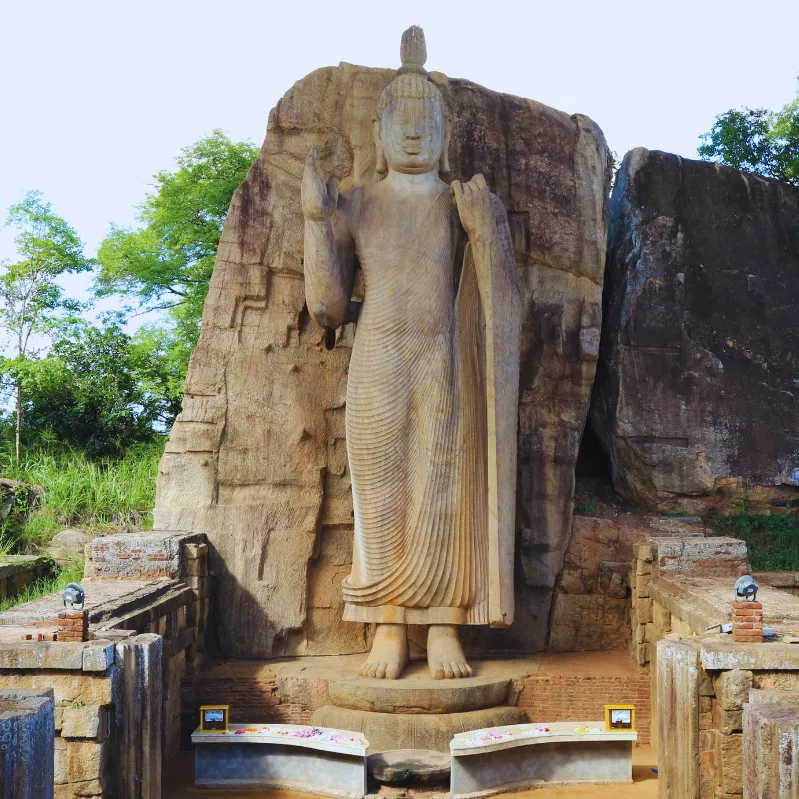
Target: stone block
[79, 761]
[98, 656]
[26, 746]
[85, 721]
[727, 722]
[662, 617]
[90, 689]
[732, 688]
[731, 763]
[36, 655]
[643, 610]
[771, 750]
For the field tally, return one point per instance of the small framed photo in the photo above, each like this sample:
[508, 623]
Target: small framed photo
[214, 718]
[619, 718]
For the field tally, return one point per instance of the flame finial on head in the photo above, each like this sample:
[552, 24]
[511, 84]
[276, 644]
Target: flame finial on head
[413, 51]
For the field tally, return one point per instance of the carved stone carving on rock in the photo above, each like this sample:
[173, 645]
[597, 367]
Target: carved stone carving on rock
[257, 458]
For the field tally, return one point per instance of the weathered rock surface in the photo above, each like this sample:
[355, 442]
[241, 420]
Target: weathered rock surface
[69, 545]
[257, 458]
[414, 766]
[592, 600]
[697, 393]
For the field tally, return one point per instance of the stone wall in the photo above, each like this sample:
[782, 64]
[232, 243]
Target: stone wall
[107, 718]
[26, 745]
[660, 608]
[117, 695]
[174, 601]
[705, 693]
[19, 571]
[257, 461]
[591, 606]
[700, 347]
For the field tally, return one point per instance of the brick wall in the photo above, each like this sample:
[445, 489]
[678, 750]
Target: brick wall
[250, 691]
[561, 697]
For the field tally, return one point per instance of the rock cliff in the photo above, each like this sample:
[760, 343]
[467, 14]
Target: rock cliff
[257, 459]
[697, 391]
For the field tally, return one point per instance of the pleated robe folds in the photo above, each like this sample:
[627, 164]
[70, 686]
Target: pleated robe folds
[416, 424]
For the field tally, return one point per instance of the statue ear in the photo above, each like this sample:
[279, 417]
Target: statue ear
[443, 165]
[381, 167]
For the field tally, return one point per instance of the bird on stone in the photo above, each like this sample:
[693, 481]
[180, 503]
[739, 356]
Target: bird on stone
[746, 589]
[74, 594]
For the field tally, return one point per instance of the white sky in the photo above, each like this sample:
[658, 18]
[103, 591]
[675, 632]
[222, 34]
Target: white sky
[97, 96]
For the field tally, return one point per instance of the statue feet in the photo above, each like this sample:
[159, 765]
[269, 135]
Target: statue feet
[445, 654]
[389, 653]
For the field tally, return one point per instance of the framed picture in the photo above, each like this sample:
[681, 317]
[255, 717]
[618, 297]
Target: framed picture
[214, 718]
[619, 718]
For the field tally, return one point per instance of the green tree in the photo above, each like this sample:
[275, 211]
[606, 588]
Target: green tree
[756, 140]
[30, 297]
[167, 262]
[95, 390]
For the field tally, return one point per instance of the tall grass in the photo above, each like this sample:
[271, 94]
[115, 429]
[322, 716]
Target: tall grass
[45, 586]
[98, 495]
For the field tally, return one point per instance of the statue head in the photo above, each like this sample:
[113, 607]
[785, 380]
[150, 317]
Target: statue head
[412, 124]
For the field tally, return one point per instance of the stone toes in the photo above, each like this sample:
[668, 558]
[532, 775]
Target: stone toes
[469, 670]
[438, 672]
[392, 673]
[448, 673]
[381, 671]
[457, 670]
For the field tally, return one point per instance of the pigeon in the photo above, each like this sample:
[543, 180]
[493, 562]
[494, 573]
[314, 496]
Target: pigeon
[746, 589]
[73, 594]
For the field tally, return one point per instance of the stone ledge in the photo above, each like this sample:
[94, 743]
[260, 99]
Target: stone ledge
[89, 656]
[718, 655]
[142, 555]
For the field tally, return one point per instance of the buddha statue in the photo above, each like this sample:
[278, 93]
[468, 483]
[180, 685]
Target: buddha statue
[432, 390]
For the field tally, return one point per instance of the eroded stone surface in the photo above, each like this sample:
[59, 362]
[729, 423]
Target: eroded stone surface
[257, 458]
[409, 766]
[699, 349]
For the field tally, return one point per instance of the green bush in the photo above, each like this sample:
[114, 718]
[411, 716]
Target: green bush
[772, 540]
[105, 494]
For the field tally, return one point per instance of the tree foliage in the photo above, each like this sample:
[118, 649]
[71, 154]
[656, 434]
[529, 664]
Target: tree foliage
[756, 140]
[167, 262]
[93, 391]
[30, 297]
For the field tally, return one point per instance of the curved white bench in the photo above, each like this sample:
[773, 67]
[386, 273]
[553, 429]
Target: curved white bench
[497, 759]
[295, 756]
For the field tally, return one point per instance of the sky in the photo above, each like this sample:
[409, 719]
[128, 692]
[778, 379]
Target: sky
[95, 97]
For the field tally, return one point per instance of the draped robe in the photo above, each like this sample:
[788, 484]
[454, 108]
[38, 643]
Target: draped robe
[416, 430]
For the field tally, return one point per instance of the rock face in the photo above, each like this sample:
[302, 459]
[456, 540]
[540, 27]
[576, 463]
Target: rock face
[697, 395]
[257, 458]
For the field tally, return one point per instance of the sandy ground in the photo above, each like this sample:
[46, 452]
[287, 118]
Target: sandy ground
[178, 784]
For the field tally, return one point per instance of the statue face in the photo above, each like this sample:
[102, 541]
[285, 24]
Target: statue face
[413, 135]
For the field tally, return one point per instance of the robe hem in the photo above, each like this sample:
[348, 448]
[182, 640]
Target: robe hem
[396, 614]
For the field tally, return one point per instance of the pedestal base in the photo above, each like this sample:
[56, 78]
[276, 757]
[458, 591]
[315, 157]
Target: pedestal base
[386, 731]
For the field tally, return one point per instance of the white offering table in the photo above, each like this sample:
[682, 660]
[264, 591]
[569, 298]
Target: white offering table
[299, 757]
[497, 759]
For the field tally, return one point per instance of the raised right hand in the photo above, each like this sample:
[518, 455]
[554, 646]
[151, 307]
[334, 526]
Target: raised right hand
[319, 199]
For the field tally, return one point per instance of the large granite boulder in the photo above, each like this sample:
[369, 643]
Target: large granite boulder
[697, 392]
[257, 458]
